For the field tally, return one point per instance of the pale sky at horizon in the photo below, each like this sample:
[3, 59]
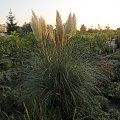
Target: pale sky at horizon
[88, 12]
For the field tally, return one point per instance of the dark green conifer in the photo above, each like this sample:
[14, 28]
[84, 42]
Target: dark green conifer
[11, 24]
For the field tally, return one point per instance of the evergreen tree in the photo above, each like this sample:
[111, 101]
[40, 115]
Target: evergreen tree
[11, 25]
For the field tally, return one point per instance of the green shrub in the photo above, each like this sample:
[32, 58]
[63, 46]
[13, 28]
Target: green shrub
[114, 90]
[117, 41]
[9, 107]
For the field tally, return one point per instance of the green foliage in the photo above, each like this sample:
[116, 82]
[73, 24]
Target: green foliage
[62, 85]
[83, 47]
[8, 103]
[55, 77]
[14, 55]
[115, 59]
[117, 41]
[100, 41]
[115, 55]
[114, 90]
[26, 28]
[34, 112]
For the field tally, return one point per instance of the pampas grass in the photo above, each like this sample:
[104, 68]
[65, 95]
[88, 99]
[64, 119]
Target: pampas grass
[61, 85]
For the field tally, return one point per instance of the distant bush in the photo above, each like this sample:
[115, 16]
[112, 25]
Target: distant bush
[117, 41]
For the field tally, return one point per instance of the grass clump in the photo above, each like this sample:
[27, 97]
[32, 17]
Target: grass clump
[60, 84]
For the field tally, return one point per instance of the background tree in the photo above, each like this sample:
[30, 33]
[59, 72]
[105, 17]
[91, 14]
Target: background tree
[26, 27]
[100, 30]
[109, 32]
[11, 24]
[83, 28]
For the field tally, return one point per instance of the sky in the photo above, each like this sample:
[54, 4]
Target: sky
[88, 12]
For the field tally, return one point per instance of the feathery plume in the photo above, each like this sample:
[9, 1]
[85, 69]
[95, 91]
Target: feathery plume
[70, 27]
[36, 26]
[43, 28]
[59, 30]
[51, 32]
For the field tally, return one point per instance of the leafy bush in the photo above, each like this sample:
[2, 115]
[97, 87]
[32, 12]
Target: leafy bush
[8, 103]
[115, 55]
[117, 41]
[56, 74]
[14, 55]
[114, 90]
[82, 47]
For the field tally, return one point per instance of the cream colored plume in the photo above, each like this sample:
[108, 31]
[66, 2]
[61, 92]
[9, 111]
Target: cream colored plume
[36, 26]
[59, 30]
[70, 26]
[45, 34]
[51, 33]
[43, 28]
